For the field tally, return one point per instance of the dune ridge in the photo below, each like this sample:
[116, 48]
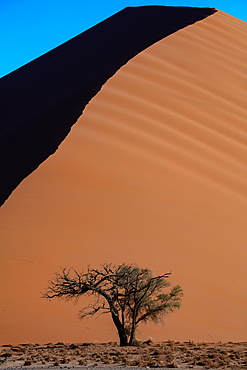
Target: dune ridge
[43, 99]
[152, 173]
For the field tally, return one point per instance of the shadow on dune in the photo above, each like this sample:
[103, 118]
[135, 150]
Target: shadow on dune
[43, 99]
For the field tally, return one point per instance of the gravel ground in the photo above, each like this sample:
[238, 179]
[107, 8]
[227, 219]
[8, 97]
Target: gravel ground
[162, 355]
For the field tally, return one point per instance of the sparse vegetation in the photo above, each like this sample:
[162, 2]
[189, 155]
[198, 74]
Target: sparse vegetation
[132, 295]
[162, 355]
[27, 362]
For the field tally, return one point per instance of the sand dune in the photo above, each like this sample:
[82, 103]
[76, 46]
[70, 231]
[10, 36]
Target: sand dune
[153, 172]
[50, 93]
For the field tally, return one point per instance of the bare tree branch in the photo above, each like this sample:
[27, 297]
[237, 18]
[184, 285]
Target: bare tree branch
[129, 293]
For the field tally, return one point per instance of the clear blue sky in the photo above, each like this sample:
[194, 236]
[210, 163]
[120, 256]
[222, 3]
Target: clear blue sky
[30, 28]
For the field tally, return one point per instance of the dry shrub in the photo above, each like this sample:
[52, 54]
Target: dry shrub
[146, 361]
[34, 359]
[65, 360]
[95, 355]
[27, 362]
[82, 362]
[138, 362]
[172, 364]
[137, 343]
[126, 361]
[237, 355]
[207, 363]
[47, 357]
[106, 360]
[5, 355]
[156, 352]
[170, 343]
[16, 349]
[115, 359]
[71, 345]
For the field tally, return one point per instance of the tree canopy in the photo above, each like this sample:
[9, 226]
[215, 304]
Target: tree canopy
[132, 295]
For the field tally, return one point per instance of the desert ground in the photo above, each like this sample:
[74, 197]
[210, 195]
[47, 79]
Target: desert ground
[169, 354]
[153, 173]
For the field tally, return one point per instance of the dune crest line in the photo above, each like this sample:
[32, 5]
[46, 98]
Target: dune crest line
[43, 99]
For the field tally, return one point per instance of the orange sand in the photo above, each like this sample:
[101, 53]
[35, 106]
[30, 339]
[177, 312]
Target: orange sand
[154, 172]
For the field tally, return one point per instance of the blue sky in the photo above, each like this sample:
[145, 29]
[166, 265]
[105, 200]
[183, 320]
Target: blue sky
[30, 28]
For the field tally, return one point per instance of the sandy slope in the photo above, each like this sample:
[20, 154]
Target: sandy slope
[43, 99]
[154, 172]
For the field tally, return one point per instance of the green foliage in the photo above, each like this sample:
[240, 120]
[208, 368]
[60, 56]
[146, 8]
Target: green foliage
[129, 293]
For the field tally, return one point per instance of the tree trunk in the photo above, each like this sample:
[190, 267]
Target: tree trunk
[133, 327]
[132, 334]
[121, 331]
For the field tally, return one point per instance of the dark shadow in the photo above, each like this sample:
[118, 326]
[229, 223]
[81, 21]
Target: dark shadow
[43, 99]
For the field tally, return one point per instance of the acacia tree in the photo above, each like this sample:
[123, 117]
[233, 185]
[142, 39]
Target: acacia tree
[131, 295]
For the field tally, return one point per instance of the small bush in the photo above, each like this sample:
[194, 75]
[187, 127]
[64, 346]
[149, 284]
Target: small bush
[126, 361]
[27, 363]
[82, 362]
[64, 360]
[149, 342]
[172, 365]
